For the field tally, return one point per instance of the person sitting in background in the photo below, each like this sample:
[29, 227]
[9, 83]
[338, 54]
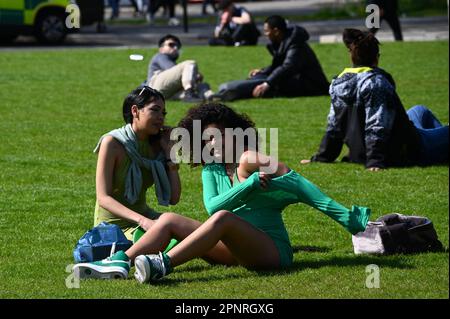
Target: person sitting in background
[367, 115]
[178, 81]
[236, 26]
[295, 69]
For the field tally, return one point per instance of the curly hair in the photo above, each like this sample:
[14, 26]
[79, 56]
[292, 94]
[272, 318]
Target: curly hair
[213, 113]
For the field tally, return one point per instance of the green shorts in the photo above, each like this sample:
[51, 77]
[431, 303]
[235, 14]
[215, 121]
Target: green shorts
[285, 251]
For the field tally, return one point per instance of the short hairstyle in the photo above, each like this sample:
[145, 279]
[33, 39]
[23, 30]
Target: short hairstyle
[363, 46]
[276, 21]
[167, 37]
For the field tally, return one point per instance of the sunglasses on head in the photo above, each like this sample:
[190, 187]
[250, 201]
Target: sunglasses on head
[146, 88]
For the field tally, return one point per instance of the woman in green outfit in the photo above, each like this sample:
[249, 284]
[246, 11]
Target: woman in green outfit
[244, 203]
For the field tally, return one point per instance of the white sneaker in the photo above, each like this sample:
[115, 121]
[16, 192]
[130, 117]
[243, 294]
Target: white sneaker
[151, 267]
[208, 94]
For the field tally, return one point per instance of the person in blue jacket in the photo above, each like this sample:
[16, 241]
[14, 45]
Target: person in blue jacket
[367, 115]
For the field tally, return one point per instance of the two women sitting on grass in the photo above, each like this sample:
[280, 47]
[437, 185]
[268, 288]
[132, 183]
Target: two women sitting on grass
[244, 202]
[367, 115]
[245, 191]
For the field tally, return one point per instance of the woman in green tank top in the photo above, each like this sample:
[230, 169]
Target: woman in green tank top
[244, 202]
[129, 159]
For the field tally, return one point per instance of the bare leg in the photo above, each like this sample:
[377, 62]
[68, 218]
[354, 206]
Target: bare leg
[171, 225]
[250, 246]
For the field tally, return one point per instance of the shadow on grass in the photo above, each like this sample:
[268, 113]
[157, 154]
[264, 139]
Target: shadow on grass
[167, 281]
[305, 249]
[310, 249]
[397, 262]
[389, 261]
[351, 261]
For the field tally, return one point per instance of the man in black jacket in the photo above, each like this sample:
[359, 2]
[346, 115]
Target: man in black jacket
[295, 69]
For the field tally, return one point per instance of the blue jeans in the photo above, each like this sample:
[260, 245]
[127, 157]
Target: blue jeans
[433, 135]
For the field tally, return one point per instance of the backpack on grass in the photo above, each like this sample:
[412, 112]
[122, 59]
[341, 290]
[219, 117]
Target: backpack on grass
[100, 242]
[397, 233]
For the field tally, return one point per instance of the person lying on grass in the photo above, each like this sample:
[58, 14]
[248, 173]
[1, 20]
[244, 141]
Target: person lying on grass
[367, 115]
[244, 198]
[133, 158]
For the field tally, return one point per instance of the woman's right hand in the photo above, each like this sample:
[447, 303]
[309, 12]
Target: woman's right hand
[146, 223]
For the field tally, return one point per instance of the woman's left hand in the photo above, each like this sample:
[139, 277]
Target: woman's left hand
[264, 180]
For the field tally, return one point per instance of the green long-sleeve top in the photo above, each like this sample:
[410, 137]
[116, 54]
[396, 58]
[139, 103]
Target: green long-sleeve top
[261, 208]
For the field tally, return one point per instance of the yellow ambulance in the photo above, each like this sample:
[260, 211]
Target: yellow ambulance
[46, 19]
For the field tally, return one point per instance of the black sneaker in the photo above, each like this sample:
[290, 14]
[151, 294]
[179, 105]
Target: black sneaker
[190, 96]
[222, 97]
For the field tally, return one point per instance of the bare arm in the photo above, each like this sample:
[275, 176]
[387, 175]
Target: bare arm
[243, 19]
[252, 161]
[109, 154]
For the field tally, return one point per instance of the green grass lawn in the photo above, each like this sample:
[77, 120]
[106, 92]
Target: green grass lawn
[56, 104]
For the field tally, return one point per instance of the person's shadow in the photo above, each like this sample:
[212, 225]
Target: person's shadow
[392, 261]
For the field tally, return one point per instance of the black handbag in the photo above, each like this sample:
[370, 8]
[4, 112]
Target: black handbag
[397, 234]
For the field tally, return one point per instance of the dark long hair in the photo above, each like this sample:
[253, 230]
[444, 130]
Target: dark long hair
[140, 97]
[363, 46]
